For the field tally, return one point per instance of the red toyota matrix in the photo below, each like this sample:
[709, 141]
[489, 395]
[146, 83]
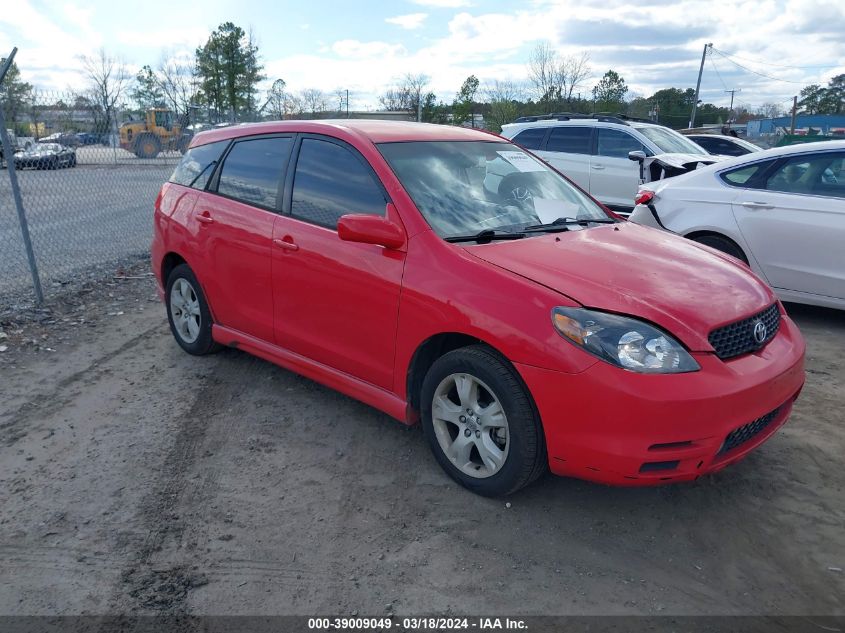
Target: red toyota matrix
[444, 275]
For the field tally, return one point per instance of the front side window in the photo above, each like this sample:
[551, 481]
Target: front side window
[252, 170]
[197, 164]
[464, 187]
[330, 181]
[570, 140]
[616, 144]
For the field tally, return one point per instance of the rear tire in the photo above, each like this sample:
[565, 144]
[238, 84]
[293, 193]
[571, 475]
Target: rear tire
[724, 244]
[188, 312]
[495, 448]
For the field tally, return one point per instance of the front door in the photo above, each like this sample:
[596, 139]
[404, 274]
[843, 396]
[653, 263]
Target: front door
[795, 224]
[336, 302]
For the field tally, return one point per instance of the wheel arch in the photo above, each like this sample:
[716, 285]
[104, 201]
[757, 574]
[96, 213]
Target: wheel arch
[692, 235]
[432, 348]
[173, 259]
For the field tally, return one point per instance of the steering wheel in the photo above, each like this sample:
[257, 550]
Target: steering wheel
[518, 188]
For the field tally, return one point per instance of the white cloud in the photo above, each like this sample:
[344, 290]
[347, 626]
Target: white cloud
[353, 49]
[444, 4]
[410, 21]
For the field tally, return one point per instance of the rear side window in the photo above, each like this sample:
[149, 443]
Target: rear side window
[571, 140]
[197, 164]
[616, 144]
[530, 138]
[253, 170]
[330, 181]
[741, 177]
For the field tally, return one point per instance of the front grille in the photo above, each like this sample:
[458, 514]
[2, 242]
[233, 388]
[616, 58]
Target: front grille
[740, 436]
[738, 338]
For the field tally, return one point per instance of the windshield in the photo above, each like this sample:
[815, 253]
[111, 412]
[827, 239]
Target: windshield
[45, 147]
[464, 187]
[670, 141]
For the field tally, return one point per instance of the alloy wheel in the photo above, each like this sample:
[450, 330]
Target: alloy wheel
[185, 310]
[470, 425]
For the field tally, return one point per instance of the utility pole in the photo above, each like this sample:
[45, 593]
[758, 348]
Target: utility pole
[731, 112]
[698, 86]
[794, 114]
[347, 103]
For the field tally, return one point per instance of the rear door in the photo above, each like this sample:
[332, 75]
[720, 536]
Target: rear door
[234, 233]
[336, 302]
[567, 148]
[794, 222]
[614, 178]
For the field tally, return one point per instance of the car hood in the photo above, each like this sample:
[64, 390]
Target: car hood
[685, 161]
[684, 287]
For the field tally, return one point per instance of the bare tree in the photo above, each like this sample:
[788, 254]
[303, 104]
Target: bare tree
[178, 82]
[107, 80]
[502, 96]
[555, 78]
[406, 93]
[770, 110]
[314, 100]
[276, 96]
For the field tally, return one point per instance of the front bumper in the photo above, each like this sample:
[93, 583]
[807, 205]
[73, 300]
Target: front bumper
[619, 427]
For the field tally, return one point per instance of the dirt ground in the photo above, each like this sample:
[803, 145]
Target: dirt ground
[137, 479]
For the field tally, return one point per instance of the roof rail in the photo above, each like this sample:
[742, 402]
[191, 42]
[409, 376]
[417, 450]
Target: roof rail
[620, 119]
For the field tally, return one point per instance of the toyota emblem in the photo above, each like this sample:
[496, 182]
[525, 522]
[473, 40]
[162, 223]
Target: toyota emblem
[759, 332]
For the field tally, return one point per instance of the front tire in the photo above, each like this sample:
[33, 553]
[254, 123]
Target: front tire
[480, 422]
[188, 313]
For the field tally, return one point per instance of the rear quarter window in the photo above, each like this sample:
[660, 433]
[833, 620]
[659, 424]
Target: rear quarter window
[197, 164]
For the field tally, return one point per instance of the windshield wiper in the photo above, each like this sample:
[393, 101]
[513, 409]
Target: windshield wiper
[563, 225]
[485, 236]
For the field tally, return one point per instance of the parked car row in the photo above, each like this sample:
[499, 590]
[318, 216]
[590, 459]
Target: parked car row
[445, 275]
[781, 211]
[595, 152]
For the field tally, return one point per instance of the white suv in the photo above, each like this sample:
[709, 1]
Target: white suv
[593, 151]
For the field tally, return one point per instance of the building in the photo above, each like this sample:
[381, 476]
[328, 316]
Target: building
[824, 123]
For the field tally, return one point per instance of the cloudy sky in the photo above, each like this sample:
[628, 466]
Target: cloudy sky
[768, 49]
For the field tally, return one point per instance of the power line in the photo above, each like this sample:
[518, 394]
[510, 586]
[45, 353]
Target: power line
[754, 61]
[713, 64]
[789, 81]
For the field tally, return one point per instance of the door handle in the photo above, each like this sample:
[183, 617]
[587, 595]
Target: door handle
[757, 205]
[286, 243]
[597, 166]
[205, 217]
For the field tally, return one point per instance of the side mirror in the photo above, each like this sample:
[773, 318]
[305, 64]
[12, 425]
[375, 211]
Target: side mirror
[637, 156]
[370, 229]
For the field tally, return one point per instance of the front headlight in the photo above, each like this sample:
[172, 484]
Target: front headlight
[623, 341]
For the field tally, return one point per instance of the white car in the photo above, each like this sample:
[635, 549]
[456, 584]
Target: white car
[782, 211]
[724, 145]
[594, 151]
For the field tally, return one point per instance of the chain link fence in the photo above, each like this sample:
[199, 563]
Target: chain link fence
[87, 182]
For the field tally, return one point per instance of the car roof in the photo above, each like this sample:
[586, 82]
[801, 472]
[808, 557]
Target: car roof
[365, 129]
[775, 152]
[704, 135]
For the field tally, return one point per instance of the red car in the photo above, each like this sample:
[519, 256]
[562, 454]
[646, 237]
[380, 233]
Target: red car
[446, 276]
